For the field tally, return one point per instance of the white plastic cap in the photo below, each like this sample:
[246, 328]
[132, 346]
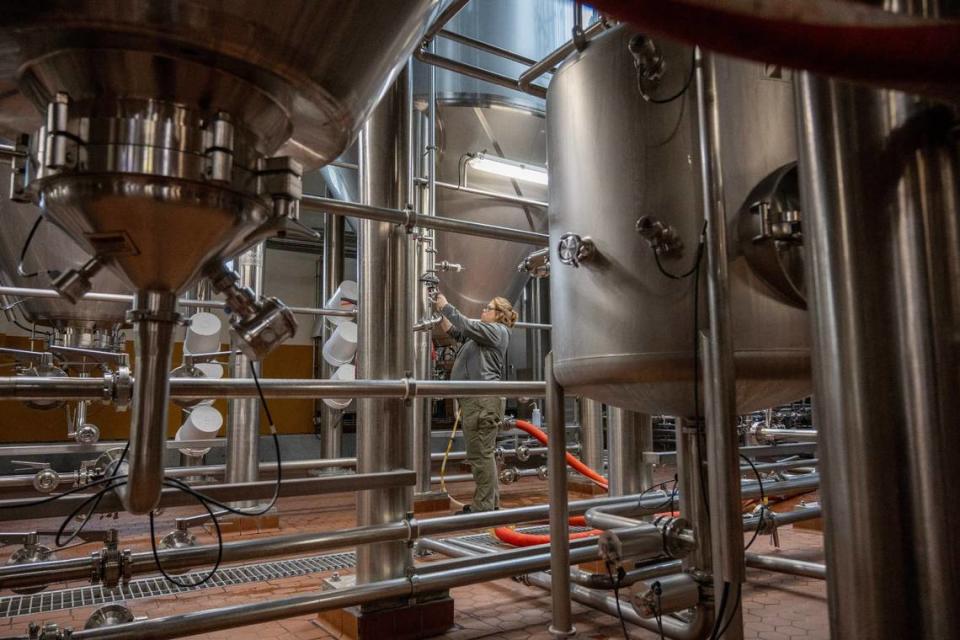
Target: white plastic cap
[203, 334]
[341, 347]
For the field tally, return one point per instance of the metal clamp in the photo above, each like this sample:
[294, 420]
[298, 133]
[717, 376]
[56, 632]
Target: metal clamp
[118, 388]
[110, 565]
[675, 545]
[281, 179]
[62, 149]
[413, 528]
[409, 218]
[509, 475]
[49, 631]
[574, 250]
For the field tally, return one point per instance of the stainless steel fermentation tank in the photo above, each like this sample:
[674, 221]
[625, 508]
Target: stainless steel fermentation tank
[622, 330]
[158, 149]
[476, 116]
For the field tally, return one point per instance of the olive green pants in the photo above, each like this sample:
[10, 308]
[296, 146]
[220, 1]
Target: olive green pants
[481, 418]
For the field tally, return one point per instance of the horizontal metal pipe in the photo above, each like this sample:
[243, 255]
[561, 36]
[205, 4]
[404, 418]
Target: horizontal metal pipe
[172, 497]
[485, 46]
[488, 194]
[58, 448]
[478, 73]
[536, 326]
[790, 566]
[411, 219]
[798, 435]
[67, 388]
[264, 611]
[781, 466]
[467, 477]
[26, 292]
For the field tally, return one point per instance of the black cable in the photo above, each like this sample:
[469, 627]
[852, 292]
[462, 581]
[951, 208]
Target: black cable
[678, 94]
[31, 331]
[733, 614]
[276, 444]
[658, 613]
[763, 501]
[216, 565]
[720, 611]
[616, 596]
[94, 502]
[26, 246]
[68, 492]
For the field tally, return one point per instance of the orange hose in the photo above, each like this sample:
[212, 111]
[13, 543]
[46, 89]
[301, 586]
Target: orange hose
[515, 538]
[572, 461]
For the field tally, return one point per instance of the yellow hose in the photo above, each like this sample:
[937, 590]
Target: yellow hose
[443, 465]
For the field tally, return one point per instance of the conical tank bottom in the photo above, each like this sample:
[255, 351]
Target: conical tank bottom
[50, 250]
[156, 233]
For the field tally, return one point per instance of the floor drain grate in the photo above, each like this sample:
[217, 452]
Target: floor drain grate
[152, 587]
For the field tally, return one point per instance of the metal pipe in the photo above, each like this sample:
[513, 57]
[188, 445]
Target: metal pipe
[154, 321]
[26, 292]
[490, 194]
[880, 181]
[630, 434]
[562, 624]
[243, 414]
[555, 57]
[66, 388]
[445, 16]
[591, 433]
[693, 499]
[330, 443]
[486, 47]
[719, 376]
[790, 566]
[797, 435]
[476, 72]
[385, 345]
[409, 218]
[173, 497]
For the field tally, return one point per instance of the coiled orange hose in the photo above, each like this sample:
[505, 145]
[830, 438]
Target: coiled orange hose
[572, 461]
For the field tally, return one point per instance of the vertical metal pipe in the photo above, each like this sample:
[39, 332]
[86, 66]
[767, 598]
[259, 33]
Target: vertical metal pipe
[719, 375]
[591, 433]
[384, 441]
[628, 434]
[154, 320]
[880, 185]
[423, 407]
[243, 415]
[562, 625]
[330, 422]
[693, 499]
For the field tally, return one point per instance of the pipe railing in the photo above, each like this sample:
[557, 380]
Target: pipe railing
[27, 292]
[791, 566]
[410, 219]
[70, 388]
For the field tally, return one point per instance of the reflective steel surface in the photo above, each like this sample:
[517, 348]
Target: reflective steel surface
[622, 331]
[50, 250]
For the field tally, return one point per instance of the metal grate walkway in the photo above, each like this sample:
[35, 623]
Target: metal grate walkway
[152, 587]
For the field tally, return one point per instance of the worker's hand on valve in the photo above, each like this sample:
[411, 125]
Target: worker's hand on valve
[440, 301]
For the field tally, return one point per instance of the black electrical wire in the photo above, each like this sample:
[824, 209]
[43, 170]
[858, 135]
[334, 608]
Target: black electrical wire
[25, 248]
[733, 614]
[216, 565]
[616, 596]
[93, 501]
[68, 492]
[720, 611]
[763, 502]
[658, 613]
[678, 94]
[29, 330]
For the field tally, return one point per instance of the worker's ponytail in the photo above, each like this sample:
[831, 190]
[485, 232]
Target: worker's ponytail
[505, 312]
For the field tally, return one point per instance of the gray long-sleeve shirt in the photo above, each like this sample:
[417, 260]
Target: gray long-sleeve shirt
[483, 355]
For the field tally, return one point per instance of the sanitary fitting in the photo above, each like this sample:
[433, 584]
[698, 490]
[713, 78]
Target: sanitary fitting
[281, 179]
[73, 284]
[663, 239]
[543, 472]
[31, 552]
[676, 543]
[648, 61]
[522, 453]
[537, 264]
[46, 480]
[498, 455]
[574, 250]
[110, 565]
[260, 324]
[509, 475]
[118, 388]
[443, 265]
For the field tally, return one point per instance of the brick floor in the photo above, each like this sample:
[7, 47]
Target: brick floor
[775, 606]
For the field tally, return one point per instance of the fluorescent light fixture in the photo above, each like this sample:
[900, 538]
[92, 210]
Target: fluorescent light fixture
[508, 168]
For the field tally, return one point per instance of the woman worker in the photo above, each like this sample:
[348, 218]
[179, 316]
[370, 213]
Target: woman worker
[482, 356]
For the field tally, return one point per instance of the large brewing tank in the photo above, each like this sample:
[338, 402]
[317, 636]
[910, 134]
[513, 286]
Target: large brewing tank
[50, 250]
[475, 116]
[622, 330]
